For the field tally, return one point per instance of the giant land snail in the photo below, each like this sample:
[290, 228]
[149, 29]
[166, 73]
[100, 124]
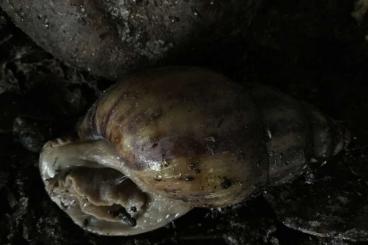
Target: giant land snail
[164, 141]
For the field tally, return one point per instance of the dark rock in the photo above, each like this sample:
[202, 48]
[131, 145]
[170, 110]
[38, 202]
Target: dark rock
[334, 205]
[10, 106]
[3, 179]
[64, 99]
[29, 133]
[357, 155]
[251, 222]
[109, 38]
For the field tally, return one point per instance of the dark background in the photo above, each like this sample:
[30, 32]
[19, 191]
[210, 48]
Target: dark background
[313, 50]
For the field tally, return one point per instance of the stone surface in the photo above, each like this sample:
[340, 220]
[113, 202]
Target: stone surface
[112, 37]
[331, 203]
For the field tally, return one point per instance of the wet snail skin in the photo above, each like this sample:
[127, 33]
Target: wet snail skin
[161, 142]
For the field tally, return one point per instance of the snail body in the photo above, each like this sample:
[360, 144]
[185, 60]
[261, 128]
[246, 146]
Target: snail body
[164, 141]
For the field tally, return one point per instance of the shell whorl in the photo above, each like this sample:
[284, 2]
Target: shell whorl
[193, 135]
[189, 133]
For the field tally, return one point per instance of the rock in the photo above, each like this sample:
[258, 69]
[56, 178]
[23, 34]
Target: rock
[360, 10]
[29, 134]
[64, 98]
[22, 63]
[357, 155]
[111, 37]
[334, 205]
[251, 222]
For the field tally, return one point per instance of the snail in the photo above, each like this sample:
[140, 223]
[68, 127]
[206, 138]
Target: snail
[110, 37]
[164, 141]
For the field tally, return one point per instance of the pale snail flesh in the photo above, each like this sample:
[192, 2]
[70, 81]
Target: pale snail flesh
[164, 141]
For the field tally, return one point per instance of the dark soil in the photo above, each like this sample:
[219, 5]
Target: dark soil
[314, 50]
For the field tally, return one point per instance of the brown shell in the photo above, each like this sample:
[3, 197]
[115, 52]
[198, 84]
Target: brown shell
[193, 135]
[187, 133]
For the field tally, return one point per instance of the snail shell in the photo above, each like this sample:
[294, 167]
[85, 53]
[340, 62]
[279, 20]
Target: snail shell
[164, 141]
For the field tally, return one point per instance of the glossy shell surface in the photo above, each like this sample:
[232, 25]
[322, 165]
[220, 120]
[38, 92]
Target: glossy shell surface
[188, 133]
